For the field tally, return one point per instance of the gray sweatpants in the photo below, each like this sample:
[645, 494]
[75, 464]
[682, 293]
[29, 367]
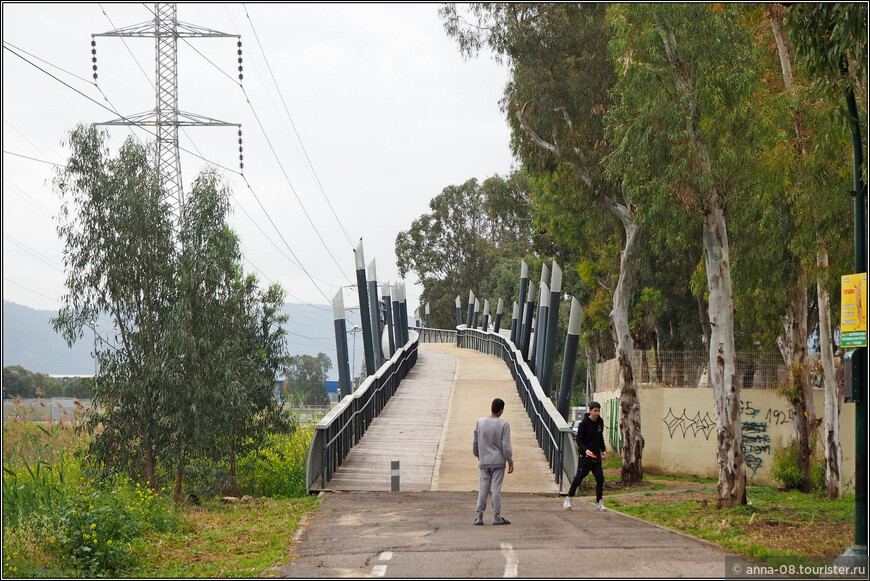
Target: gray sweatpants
[490, 479]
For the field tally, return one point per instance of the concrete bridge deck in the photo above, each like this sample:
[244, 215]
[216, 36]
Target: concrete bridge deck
[428, 425]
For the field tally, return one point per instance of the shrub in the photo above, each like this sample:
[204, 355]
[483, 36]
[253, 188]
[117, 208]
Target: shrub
[278, 468]
[785, 469]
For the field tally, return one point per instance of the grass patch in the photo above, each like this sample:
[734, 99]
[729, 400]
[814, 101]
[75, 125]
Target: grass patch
[775, 523]
[224, 540]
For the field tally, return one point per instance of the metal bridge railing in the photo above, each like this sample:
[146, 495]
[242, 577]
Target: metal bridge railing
[346, 423]
[428, 335]
[551, 430]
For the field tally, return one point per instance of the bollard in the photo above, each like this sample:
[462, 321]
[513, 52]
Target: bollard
[394, 475]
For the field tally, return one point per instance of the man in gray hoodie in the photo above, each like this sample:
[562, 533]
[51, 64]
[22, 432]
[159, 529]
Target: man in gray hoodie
[492, 446]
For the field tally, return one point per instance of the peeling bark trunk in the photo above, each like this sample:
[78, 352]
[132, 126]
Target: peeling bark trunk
[722, 361]
[629, 404]
[722, 355]
[833, 450]
[629, 418]
[793, 345]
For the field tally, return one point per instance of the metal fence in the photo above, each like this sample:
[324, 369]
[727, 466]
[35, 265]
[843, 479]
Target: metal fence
[762, 370]
[56, 410]
[551, 430]
[435, 335]
[347, 422]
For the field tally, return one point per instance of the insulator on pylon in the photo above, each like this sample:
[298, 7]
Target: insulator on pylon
[241, 157]
[239, 44]
[94, 56]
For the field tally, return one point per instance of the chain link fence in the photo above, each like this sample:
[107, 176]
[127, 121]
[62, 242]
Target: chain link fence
[56, 410]
[763, 370]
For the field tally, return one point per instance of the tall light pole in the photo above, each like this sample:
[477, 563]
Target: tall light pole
[353, 331]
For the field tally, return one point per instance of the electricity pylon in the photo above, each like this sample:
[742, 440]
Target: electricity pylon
[166, 117]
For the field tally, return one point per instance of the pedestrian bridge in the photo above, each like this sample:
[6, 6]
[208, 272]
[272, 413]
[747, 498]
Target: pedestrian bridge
[420, 408]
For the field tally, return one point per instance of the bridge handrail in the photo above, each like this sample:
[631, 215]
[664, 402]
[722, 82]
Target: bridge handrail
[345, 424]
[551, 430]
[428, 335]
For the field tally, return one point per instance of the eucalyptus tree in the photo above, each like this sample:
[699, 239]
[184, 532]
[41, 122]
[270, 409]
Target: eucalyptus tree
[805, 162]
[556, 101]
[687, 76]
[230, 337]
[118, 258]
[196, 346]
[830, 43]
[305, 379]
[470, 229]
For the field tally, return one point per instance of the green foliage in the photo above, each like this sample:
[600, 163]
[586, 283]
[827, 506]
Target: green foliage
[277, 469]
[59, 521]
[473, 233]
[305, 380]
[198, 342]
[57, 518]
[20, 382]
[786, 471]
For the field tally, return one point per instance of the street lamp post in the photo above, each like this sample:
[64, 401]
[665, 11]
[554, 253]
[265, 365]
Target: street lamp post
[353, 331]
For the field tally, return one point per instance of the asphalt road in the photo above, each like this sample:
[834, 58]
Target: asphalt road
[430, 534]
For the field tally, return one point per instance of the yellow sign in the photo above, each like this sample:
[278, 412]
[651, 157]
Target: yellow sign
[853, 316]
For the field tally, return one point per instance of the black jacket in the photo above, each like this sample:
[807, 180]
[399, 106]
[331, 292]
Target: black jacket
[590, 436]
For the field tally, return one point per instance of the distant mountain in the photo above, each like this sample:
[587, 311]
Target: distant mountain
[30, 341]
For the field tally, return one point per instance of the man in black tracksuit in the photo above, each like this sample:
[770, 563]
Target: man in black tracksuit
[590, 444]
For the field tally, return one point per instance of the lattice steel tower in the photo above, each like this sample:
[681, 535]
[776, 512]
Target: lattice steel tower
[166, 116]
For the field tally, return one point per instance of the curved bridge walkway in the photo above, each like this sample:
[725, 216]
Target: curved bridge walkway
[428, 425]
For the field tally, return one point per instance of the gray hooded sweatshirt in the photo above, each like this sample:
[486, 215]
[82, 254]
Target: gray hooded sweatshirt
[492, 442]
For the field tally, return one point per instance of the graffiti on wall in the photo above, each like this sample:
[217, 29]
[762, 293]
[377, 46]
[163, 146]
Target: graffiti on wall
[695, 424]
[754, 427]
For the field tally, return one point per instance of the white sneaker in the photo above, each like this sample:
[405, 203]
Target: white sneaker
[600, 505]
[568, 504]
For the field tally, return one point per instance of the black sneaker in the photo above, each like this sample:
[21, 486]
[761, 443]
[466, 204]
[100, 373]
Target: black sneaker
[500, 520]
[479, 519]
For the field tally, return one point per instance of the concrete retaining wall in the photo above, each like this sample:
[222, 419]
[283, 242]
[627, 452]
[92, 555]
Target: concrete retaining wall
[679, 430]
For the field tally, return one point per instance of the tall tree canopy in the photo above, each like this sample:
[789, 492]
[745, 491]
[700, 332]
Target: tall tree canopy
[198, 344]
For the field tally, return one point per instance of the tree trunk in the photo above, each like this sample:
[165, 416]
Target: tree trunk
[149, 466]
[179, 476]
[722, 359]
[629, 404]
[793, 345]
[833, 450]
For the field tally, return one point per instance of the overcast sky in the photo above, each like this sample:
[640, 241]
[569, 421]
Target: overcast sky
[386, 110]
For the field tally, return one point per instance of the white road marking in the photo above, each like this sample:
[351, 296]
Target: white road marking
[379, 570]
[510, 568]
[386, 556]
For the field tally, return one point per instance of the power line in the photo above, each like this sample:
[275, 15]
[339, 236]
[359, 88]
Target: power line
[302, 145]
[107, 109]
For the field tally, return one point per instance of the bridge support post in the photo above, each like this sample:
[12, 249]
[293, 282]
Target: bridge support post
[498, 313]
[385, 296]
[572, 340]
[485, 324]
[403, 308]
[428, 318]
[470, 309]
[549, 358]
[521, 301]
[458, 311]
[515, 325]
[377, 331]
[541, 329]
[476, 314]
[344, 385]
[365, 319]
[527, 323]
